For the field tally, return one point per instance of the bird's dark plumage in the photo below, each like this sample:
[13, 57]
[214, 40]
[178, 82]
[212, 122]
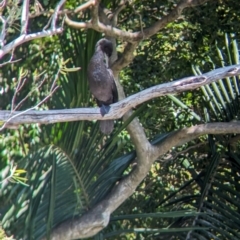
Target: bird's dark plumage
[101, 81]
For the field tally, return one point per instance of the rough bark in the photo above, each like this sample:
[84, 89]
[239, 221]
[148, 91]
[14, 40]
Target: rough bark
[120, 108]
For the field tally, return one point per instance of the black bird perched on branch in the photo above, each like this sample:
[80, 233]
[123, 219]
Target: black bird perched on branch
[101, 81]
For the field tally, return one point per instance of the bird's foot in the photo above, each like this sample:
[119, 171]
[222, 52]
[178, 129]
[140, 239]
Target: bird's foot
[104, 109]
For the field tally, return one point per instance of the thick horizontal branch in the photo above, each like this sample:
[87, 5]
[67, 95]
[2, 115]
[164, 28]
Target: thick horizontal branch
[118, 109]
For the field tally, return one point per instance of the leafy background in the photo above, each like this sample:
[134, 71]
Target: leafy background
[192, 192]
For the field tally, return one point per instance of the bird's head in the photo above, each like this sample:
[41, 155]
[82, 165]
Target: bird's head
[106, 46]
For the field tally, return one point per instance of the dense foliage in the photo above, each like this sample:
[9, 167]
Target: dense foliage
[192, 192]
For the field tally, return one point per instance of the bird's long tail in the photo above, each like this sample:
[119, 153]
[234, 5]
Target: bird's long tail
[106, 126]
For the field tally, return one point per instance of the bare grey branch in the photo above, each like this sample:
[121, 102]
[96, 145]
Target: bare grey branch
[120, 108]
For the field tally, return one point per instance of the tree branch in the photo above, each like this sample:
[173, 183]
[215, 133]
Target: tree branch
[132, 38]
[24, 37]
[84, 6]
[27, 37]
[125, 59]
[25, 17]
[117, 11]
[171, 17]
[120, 108]
[97, 218]
[188, 134]
[139, 35]
[55, 14]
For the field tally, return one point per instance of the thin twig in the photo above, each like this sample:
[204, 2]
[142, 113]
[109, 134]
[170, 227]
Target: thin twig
[18, 88]
[116, 13]
[53, 89]
[3, 32]
[29, 109]
[26, 38]
[62, 12]
[55, 14]
[29, 94]
[10, 60]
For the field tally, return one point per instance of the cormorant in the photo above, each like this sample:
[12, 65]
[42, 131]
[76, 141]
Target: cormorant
[101, 81]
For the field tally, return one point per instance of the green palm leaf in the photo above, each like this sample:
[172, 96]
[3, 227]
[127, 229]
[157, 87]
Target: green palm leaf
[216, 197]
